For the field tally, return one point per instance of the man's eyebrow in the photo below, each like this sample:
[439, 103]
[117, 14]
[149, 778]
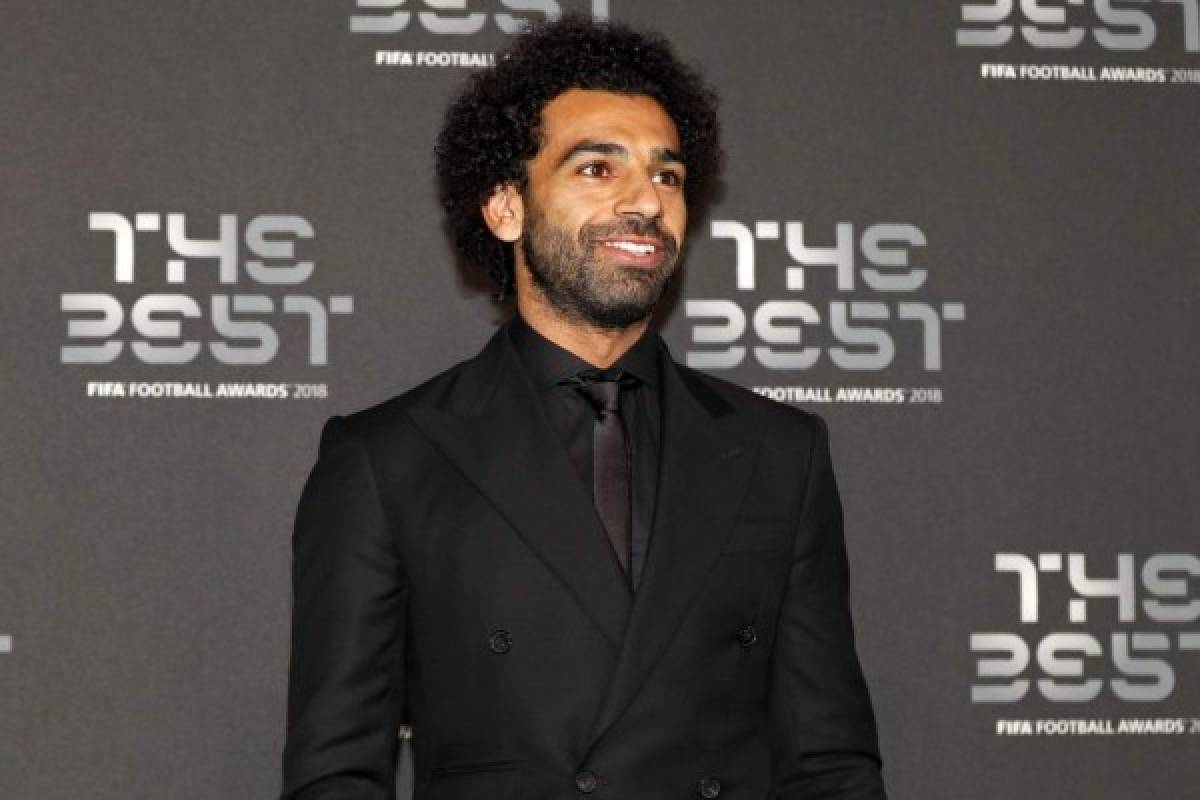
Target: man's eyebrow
[658, 154]
[665, 154]
[593, 146]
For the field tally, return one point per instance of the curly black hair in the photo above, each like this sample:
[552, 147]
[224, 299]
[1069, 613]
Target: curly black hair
[493, 128]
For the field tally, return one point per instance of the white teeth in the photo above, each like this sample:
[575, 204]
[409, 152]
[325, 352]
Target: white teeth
[632, 247]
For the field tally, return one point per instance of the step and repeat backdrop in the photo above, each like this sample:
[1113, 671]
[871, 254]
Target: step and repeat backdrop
[963, 232]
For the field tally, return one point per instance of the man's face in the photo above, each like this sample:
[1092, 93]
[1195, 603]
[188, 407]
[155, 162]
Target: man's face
[604, 208]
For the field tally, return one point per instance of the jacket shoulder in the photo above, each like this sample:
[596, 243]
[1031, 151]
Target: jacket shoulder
[777, 416]
[387, 417]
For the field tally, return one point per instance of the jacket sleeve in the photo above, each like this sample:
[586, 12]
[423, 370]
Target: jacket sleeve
[822, 728]
[346, 674]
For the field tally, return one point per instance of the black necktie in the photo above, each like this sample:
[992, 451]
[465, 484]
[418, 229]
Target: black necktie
[610, 457]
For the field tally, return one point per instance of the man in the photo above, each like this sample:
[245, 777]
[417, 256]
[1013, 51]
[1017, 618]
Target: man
[572, 565]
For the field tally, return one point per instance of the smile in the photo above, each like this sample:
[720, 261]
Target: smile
[636, 248]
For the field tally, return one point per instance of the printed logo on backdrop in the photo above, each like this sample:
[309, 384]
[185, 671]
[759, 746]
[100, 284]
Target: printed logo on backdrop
[1131, 42]
[852, 299]
[1086, 630]
[446, 33]
[259, 315]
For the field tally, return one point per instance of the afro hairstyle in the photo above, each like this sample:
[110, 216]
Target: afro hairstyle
[492, 128]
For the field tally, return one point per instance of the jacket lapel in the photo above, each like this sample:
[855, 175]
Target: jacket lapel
[491, 424]
[708, 453]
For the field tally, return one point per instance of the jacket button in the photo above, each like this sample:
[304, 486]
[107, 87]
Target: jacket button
[746, 637]
[710, 787]
[500, 642]
[586, 781]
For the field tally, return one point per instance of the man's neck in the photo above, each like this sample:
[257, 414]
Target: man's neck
[600, 347]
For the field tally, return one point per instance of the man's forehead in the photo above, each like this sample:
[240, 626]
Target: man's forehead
[596, 114]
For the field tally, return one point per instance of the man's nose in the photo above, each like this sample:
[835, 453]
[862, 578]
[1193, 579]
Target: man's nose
[640, 196]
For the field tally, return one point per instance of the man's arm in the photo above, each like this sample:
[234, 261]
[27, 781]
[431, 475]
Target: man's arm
[345, 683]
[822, 727]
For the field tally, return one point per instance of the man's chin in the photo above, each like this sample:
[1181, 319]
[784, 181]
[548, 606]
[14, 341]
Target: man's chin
[614, 322]
[620, 313]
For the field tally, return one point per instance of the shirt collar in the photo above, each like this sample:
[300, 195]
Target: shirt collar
[549, 363]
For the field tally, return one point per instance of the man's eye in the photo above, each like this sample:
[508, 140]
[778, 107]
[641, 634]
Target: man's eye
[670, 178]
[594, 169]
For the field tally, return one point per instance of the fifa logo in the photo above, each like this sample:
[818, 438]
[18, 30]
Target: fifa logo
[1118, 25]
[857, 324]
[454, 18]
[167, 324]
[1158, 596]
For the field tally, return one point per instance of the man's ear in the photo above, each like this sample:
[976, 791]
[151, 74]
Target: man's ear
[504, 212]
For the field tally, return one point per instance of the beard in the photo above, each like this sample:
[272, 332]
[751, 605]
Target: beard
[578, 283]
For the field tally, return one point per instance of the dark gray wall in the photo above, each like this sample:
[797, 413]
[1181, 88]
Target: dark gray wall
[145, 541]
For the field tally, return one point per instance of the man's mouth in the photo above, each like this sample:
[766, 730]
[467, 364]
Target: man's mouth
[637, 247]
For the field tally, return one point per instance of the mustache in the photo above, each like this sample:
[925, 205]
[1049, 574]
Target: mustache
[633, 226]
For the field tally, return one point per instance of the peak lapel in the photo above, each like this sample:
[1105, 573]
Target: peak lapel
[708, 454]
[493, 427]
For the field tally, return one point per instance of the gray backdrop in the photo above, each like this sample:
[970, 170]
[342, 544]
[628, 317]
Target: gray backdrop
[1036, 160]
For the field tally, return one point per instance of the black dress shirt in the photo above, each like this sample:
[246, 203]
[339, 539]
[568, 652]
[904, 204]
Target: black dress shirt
[573, 417]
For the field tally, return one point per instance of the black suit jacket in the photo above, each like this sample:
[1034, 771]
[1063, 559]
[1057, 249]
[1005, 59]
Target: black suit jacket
[450, 573]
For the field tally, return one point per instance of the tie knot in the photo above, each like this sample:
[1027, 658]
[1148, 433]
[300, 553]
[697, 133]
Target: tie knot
[602, 387]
